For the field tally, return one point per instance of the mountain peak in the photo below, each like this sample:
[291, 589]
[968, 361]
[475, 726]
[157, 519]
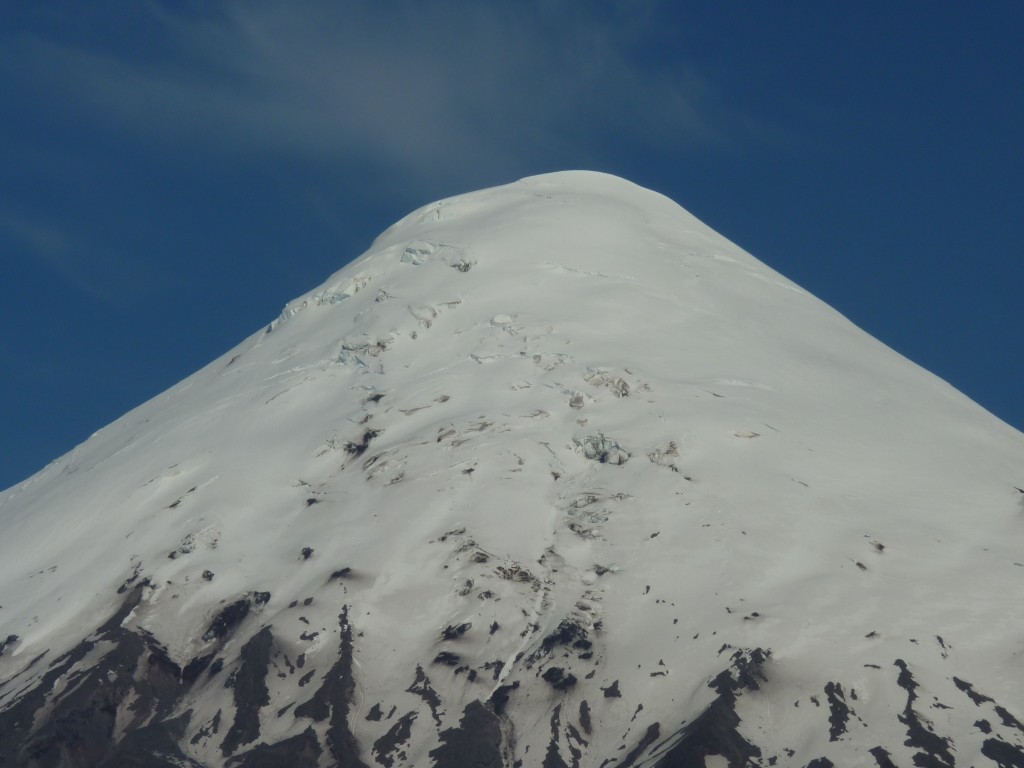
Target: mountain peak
[552, 469]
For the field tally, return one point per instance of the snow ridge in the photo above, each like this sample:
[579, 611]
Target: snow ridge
[553, 474]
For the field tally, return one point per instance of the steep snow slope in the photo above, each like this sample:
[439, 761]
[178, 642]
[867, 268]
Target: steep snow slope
[552, 475]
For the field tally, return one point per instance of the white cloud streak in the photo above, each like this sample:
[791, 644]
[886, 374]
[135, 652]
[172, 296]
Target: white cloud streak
[50, 246]
[445, 88]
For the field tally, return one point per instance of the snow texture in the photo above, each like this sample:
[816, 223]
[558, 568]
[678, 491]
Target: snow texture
[552, 474]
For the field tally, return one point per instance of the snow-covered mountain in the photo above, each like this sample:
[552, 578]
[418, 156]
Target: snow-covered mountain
[553, 475]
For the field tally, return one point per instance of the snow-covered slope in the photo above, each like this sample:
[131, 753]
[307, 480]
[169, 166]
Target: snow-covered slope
[552, 475]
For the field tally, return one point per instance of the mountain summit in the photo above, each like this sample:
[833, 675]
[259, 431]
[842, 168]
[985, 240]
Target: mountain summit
[552, 475]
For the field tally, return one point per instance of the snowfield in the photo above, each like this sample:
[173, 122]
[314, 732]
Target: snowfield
[552, 475]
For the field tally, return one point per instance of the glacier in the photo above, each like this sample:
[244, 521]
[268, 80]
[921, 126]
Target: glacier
[552, 475]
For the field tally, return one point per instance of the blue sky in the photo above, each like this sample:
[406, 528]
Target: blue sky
[174, 172]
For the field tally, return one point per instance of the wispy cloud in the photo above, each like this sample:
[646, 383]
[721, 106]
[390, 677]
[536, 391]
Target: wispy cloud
[91, 264]
[443, 88]
[49, 246]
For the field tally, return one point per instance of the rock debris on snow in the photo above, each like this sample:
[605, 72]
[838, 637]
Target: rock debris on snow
[437, 543]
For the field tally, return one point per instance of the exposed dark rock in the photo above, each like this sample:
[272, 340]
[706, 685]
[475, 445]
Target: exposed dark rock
[1008, 720]
[500, 697]
[651, 736]
[839, 713]
[934, 749]
[552, 757]
[334, 698]
[82, 722]
[300, 751]
[195, 668]
[1002, 754]
[452, 632]
[358, 449]
[716, 731]
[820, 762]
[515, 572]
[495, 667]
[585, 716]
[210, 729]
[967, 688]
[447, 657]
[612, 691]
[558, 678]
[81, 717]
[161, 681]
[250, 691]
[881, 757]
[569, 633]
[228, 618]
[11, 640]
[153, 746]
[574, 741]
[983, 725]
[391, 741]
[744, 673]
[375, 713]
[75, 725]
[421, 687]
[476, 743]
[131, 580]
[307, 552]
